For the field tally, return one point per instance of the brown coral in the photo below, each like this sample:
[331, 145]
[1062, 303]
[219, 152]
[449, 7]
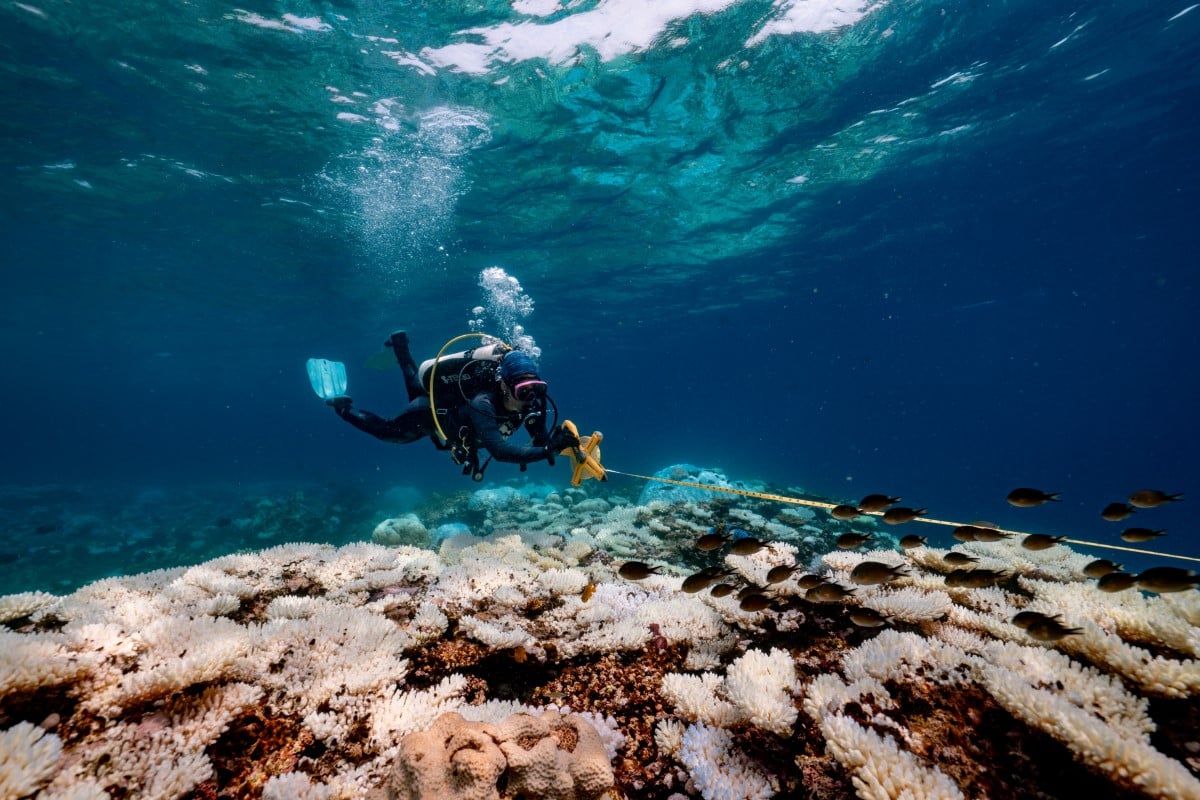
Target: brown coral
[553, 757]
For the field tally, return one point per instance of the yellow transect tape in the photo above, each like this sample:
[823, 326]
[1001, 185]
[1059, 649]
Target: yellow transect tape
[799, 501]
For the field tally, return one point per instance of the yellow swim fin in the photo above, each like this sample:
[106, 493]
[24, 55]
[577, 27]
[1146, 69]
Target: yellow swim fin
[585, 459]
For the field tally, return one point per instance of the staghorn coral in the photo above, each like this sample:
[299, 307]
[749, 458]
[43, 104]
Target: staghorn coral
[883, 771]
[28, 758]
[757, 690]
[720, 769]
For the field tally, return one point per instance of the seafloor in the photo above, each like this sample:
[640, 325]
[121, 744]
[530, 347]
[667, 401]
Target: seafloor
[299, 661]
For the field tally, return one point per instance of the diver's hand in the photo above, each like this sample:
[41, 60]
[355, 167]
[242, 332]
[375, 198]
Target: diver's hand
[561, 439]
[340, 403]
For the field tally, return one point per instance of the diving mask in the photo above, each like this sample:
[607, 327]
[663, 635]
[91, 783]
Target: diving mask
[528, 389]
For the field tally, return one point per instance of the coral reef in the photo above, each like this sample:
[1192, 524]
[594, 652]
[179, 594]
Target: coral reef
[318, 671]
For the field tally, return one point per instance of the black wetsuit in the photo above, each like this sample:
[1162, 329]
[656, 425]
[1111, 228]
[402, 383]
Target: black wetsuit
[483, 422]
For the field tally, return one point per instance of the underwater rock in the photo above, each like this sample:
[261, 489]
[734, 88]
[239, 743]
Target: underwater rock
[406, 530]
[449, 530]
[495, 499]
[671, 493]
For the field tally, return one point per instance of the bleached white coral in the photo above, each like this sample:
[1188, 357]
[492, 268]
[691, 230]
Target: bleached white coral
[893, 655]
[36, 661]
[428, 623]
[28, 757]
[289, 606]
[1153, 674]
[720, 770]
[762, 685]
[701, 697]
[84, 790]
[400, 713]
[880, 769]
[907, 604]
[1084, 687]
[295, 786]
[757, 689]
[219, 605]
[829, 694]
[179, 653]
[668, 735]
[1134, 616]
[173, 777]
[16, 606]
[1129, 761]
[563, 581]
[496, 636]
[754, 568]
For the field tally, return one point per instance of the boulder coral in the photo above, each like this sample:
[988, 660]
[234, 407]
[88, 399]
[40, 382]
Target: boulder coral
[548, 757]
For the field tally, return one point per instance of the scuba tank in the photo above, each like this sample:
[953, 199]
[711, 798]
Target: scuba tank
[461, 376]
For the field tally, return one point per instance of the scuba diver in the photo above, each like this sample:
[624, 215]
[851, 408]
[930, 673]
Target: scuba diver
[473, 400]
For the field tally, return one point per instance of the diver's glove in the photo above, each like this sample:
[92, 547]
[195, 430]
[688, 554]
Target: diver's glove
[340, 404]
[560, 439]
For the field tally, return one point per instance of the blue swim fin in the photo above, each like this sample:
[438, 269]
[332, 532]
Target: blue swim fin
[328, 378]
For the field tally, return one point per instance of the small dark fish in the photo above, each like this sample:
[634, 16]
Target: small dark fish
[911, 541]
[636, 570]
[1050, 630]
[48, 527]
[990, 535]
[746, 546]
[955, 557]
[807, 582]
[722, 590]
[844, 512]
[1167, 579]
[974, 578]
[1140, 534]
[871, 572]
[224, 522]
[979, 578]
[849, 541]
[865, 617]
[748, 590]
[711, 541]
[1101, 567]
[698, 582]
[782, 573]
[1041, 541]
[755, 602]
[965, 533]
[8, 557]
[877, 502]
[1116, 582]
[898, 515]
[1026, 618]
[1152, 498]
[957, 578]
[827, 593]
[1115, 512]
[1028, 498]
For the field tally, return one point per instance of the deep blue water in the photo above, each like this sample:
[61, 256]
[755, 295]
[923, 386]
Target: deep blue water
[934, 250]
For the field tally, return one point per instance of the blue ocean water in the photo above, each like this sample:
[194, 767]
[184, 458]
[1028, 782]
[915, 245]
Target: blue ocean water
[937, 250]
